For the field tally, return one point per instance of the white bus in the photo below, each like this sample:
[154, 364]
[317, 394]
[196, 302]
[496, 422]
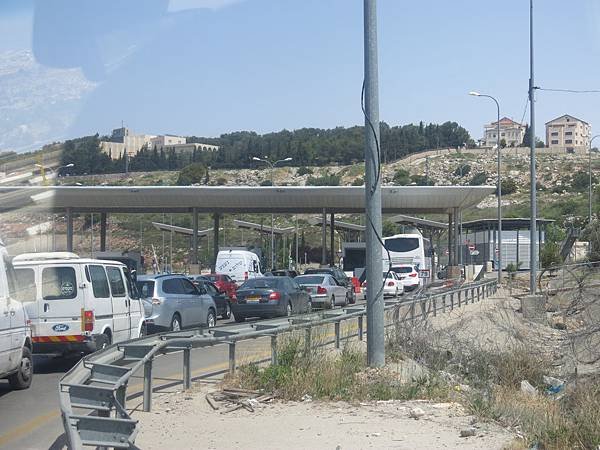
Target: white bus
[409, 249]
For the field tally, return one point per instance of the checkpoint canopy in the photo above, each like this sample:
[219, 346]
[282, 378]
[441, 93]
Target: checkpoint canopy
[228, 200]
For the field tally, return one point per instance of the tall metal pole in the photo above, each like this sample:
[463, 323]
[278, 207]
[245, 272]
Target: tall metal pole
[499, 182]
[297, 258]
[499, 196]
[532, 229]
[590, 180]
[374, 266]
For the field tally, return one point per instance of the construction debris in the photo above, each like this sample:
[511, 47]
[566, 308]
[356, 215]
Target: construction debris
[231, 399]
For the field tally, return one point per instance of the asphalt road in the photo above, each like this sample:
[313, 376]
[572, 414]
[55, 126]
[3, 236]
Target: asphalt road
[30, 419]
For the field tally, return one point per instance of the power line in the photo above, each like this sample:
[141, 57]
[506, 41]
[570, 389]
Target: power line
[571, 91]
[524, 110]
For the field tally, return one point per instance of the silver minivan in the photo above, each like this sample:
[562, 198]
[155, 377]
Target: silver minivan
[172, 302]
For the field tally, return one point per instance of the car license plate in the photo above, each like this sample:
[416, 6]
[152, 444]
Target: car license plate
[252, 299]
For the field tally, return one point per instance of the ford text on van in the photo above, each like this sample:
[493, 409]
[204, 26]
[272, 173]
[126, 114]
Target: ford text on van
[16, 362]
[79, 305]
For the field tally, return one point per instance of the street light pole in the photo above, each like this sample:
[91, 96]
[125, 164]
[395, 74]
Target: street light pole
[272, 166]
[499, 182]
[533, 250]
[590, 180]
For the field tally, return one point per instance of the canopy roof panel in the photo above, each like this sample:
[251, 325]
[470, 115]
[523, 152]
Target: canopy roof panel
[284, 199]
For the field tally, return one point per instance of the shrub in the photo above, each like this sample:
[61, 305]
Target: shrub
[325, 180]
[402, 177]
[550, 254]
[462, 170]
[221, 181]
[509, 186]
[358, 181]
[581, 181]
[421, 180]
[195, 173]
[266, 183]
[304, 171]
[478, 179]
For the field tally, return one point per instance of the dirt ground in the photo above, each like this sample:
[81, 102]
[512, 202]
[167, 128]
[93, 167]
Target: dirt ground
[184, 420]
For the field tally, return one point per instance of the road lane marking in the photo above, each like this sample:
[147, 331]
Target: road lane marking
[22, 430]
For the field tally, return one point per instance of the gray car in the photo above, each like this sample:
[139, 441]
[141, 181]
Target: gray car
[323, 289]
[172, 302]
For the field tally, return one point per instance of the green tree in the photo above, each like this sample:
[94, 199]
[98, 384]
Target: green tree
[195, 173]
[389, 228]
[421, 180]
[303, 170]
[591, 233]
[581, 181]
[502, 143]
[325, 180]
[509, 186]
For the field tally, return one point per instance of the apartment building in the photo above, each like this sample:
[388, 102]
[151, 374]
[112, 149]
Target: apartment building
[568, 133]
[511, 131]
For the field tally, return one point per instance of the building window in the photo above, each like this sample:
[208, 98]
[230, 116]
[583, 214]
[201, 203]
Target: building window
[569, 133]
[569, 141]
[555, 142]
[555, 133]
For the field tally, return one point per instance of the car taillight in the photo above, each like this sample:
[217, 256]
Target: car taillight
[321, 290]
[390, 283]
[414, 274]
[156, 301]
[274, 296]
[87, 320]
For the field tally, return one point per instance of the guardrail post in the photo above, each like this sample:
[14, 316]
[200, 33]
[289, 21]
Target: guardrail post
[122, 396]
[478, 294]
[434, 306]
[452, 302]
[412, 312]
[187, 370]
[232, 358]
[472, 295]
[337, 334]
[360, 328]
[443, 303]
[459, 298]
[307, 339]
[274, 349]
[148, 386]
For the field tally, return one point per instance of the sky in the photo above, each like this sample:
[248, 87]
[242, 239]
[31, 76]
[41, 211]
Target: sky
[206, 67]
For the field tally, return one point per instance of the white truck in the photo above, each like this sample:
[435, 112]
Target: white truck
[240, 265]
[16, 362]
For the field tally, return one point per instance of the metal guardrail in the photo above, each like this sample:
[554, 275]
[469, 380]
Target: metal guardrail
[97, 384]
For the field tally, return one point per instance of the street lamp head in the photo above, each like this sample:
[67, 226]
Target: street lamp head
[287, 159]
[476, 94]
[69, 165]
[254, 158]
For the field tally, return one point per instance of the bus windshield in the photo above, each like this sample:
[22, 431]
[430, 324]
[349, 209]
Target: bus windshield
[402, 244]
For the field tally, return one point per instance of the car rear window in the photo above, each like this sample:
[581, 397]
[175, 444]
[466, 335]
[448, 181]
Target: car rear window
[262, 283]
[212, 278]
[146, 288]
[97, 275]
[402, 269]
[312, 279]
[59, 283]
[25, 289]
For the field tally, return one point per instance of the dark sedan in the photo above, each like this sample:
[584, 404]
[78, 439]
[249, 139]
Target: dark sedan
[221, 299]
[270, 297]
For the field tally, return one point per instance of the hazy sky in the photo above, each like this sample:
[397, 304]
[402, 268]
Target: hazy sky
[205, 67]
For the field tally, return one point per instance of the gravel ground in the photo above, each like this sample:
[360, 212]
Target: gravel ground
[184, 420]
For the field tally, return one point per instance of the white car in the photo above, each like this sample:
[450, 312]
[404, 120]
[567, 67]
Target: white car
[392, 286]
[16, 362]
[408, 275]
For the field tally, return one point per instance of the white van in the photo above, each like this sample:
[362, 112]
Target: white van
[240, 265]
[80, 305]
[16, 362]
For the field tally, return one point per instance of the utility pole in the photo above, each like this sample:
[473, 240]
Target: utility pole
[374, 266]
[532, 233]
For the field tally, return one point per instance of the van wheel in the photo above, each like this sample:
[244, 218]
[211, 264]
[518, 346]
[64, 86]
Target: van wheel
[176, 323]
[211, 318]
[144, 330]
[288, 311]
[239, 319]
[22, 378]
[227, 314]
